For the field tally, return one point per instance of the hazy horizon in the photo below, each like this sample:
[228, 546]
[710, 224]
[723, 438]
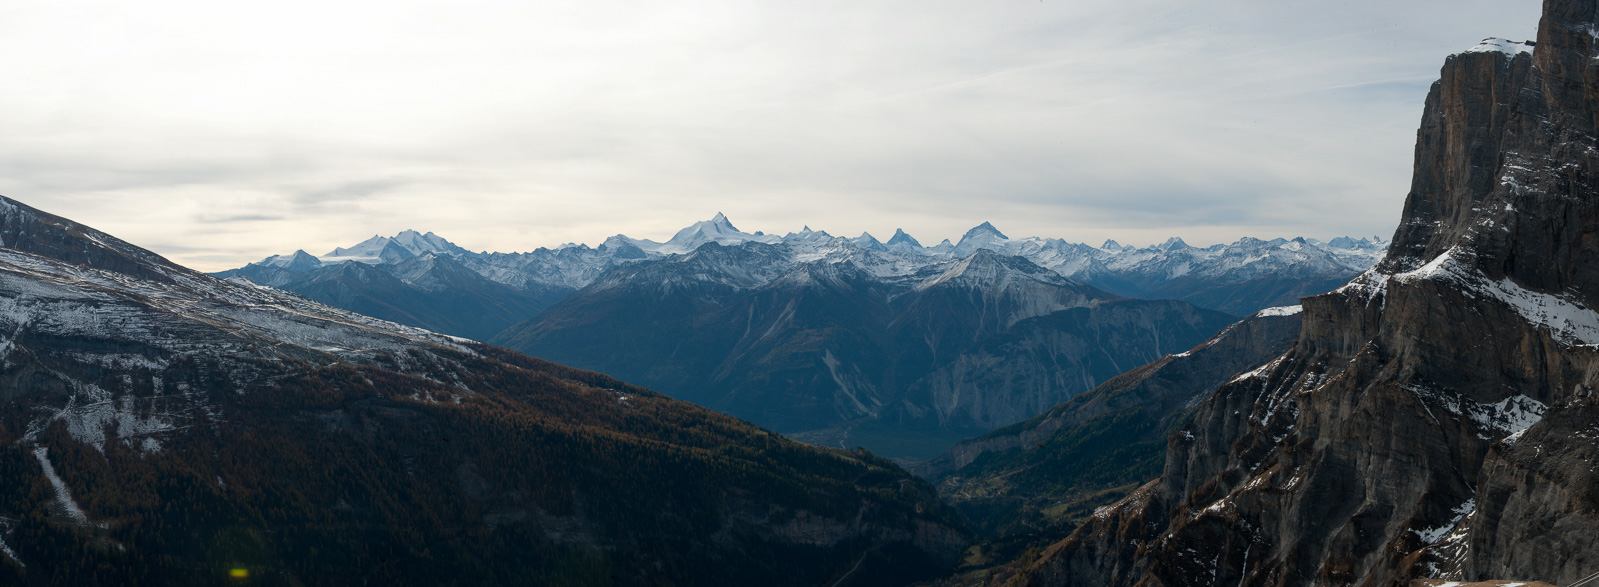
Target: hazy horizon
[218, 135]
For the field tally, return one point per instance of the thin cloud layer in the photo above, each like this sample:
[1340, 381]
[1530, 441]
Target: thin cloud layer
[218, 134]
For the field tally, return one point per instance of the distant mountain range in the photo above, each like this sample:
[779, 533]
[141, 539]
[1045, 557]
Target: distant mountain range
[1238, 278]
[853, 347]
[898, 347]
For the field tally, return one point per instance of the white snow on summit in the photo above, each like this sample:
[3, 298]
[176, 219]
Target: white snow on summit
[718, 230]
[576, 266]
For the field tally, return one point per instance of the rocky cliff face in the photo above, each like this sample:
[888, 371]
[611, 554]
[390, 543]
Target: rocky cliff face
[1436, 416]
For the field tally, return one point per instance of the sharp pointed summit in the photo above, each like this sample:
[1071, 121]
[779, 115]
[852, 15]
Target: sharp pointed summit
[901, 238]
[868, 242]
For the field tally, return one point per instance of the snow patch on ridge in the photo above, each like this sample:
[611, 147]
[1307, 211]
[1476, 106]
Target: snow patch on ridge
[1366, 286]
[1281, 311]
[1432, 536]
[87, 422]
[1568, 322]
[63, 496]
[1510, 416]
[1508, 47]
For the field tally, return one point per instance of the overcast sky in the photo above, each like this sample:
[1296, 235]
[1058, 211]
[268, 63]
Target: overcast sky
[217, 133]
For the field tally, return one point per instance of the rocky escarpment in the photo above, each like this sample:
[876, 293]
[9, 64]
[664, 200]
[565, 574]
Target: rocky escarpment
[1434, 418]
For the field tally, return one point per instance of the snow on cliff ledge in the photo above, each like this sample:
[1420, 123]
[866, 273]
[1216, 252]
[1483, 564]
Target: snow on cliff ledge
[1508, 47]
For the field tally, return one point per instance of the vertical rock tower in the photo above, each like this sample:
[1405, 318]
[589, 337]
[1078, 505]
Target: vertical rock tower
[1437, 416]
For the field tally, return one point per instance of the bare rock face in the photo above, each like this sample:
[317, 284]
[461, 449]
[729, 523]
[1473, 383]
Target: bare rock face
[1436, 417]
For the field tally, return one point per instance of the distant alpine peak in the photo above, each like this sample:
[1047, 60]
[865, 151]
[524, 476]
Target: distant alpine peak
[1344, 242]
[900, 238]
[1173, 243]
[381, 249]
[867, 241]
[719, 223]
[984, 228]
[297, 261]
[989, 268]
[718, 230]
[1111, 245]
[979, 237]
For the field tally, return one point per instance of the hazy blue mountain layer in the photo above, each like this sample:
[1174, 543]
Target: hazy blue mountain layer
[852, 347]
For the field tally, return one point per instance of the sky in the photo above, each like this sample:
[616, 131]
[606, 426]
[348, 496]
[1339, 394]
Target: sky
[217, 133]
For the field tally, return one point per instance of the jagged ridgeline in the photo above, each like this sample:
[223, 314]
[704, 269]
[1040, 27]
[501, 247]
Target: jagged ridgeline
[1437, 416]
[160, 426]
[901, 348]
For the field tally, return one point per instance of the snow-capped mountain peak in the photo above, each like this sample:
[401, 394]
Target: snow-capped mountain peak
[900, 238]
[982, 236]
[987, 268]
[364, 249]
[868, 242]
[419, 244]
[1125, 270]
[984, 228]
[381, 249]
[298, 261]
[718, 230]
